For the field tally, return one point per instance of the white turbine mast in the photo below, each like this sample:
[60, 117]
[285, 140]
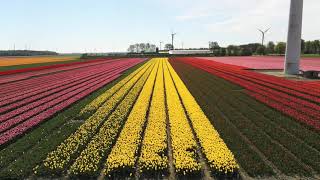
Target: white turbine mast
[293, 50]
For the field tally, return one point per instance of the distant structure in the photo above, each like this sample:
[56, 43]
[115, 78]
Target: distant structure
[293, 51]
[263, 35]
[172, 38]
[187, 52]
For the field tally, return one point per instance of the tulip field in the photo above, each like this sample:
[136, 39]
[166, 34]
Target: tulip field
[158, 118]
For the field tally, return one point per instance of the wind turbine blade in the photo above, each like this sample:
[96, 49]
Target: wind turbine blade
[267, 30]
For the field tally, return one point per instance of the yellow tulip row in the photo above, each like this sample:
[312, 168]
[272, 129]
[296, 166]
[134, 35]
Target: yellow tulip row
[129, 80]
[61, 157]
[153, 151]
[124, 152]
[219, 157]
[183, 143]
[91, 157]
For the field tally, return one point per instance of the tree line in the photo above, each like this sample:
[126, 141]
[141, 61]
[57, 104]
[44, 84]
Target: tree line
[26, 53]
[307, 47]
[142, 48]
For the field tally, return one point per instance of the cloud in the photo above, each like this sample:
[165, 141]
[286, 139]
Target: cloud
[241, 19]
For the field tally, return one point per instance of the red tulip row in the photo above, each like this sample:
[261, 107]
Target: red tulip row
[284, 97]
[291, 87]
[34, 106]
[44, 89]
[286, 110]
[15, 82]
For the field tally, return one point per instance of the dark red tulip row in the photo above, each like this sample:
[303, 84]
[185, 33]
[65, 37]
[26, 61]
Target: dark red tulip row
[281, 94]
[30, 107]
[286, 110]
[48, 88]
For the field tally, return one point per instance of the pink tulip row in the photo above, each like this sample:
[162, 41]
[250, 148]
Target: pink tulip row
[285, 98]
[54, 74]
[47, 91]
[52, 98]
[21, 74]
[46, 67]
[35, 120]
[44, 87]
[10, 119]
[266, 62]
[30, 107]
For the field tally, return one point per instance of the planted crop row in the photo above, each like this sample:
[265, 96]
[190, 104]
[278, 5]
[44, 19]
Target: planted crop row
[95, 104]
[184, 145]
[124, 153]
[59, 159]
[219, 157]
[91, 158]
[153, 158]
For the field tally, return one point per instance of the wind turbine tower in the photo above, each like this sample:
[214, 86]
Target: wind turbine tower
[263, 35]
[293, 51]
[172, 38]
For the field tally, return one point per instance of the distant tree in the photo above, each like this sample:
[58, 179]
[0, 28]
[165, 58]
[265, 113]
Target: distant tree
[317, 46]
[261, 50]
[280, 48]
[213, 45]
[233, 50]
[168, 46]
[223, 52]
[245, 51]
[270, 47]
[303, 46]
[132, 48]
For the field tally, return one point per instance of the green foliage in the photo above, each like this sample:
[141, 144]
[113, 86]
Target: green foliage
[280, 48]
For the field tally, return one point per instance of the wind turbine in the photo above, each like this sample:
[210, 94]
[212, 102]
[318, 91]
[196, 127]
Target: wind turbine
[263, 34]
[160, 44]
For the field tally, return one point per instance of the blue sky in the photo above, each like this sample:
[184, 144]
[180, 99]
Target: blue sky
[111, 25]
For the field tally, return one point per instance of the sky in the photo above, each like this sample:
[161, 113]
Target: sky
[68, 26]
